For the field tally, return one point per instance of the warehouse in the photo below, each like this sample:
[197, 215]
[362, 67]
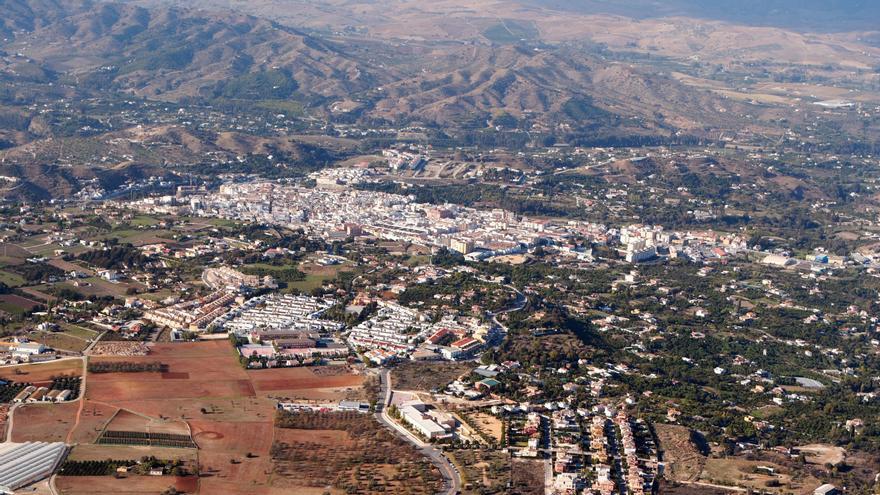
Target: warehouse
[24, 463]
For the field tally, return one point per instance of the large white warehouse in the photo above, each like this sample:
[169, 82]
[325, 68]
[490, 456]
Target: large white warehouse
[24, 463]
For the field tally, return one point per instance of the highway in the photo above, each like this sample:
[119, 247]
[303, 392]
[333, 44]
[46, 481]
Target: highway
[450, 474]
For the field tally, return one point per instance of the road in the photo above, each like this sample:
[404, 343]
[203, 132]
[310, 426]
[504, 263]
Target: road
[518, 305]
[447, 470]
[84, 358]
[82, 388]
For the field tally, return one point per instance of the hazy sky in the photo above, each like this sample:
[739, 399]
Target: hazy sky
[824, 15]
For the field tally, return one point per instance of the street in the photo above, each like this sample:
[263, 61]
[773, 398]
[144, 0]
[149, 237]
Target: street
[447, 470]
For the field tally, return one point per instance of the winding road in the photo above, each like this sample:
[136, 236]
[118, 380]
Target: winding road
[450, 474]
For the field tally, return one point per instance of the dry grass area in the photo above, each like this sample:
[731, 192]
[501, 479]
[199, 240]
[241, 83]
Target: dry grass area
[323, 383]
[128, 421]
[527, 477]
[347, 451]
[823, 454]
[745, 474]
[43, 422]
[42, 372]
[92, 421]
[60, 341]
[132, 485]
[484, 471]
[684, 462]
[487, 424]
[104, 452]
[425, 376]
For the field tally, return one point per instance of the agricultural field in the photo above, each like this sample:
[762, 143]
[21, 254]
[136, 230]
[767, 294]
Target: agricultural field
[98, 287]
[59, 340]
[14, 304]
[44, 422]
[347, 451]
[200, 392]
[11, 279]
[42, 372]
[132, 485]
[322, 383]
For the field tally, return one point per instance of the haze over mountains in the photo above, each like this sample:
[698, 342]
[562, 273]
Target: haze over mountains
[592, 72]
[813, 15]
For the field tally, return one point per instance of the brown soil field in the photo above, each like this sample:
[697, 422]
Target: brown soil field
[42, 372]
[224, 463]
[195, 370]
[128, 421]
[131, 388]
[92, 420]
[43, 422]
[19, 302]
[104, 452]
[134, 485]
[412, 375]
[346, 451]
[227, 409]
[296, 379]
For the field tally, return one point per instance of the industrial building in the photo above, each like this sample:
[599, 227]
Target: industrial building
[432, 424]
[24, 463]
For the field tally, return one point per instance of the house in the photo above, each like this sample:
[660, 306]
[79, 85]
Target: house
[29, 348]
[109, 275]
[487, 384]
[28, 351]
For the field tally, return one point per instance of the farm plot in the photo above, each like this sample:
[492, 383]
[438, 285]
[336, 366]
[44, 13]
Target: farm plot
[42, 372]
[43, 422]
[132, 485]
[348, 451]
[194, 370]
[14, 304]
[323, 383]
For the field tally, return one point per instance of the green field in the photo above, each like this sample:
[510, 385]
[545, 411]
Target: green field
[143, 221]
[60, 340]
[311, 282]
[11, 279]
[80, 332]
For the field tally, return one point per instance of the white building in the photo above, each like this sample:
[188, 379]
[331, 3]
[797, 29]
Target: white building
[431, 426]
